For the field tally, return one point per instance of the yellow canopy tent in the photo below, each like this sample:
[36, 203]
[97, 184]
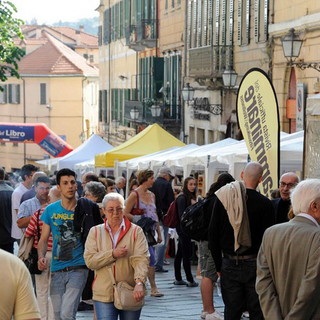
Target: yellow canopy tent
[151, 139]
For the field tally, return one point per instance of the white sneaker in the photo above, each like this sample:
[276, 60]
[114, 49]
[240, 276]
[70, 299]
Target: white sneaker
[214, 316]
[203, 314]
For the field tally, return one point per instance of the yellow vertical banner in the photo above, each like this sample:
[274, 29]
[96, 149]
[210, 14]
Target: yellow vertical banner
[258, 117]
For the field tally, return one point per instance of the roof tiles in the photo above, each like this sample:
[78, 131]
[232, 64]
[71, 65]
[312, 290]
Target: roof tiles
[55, 58]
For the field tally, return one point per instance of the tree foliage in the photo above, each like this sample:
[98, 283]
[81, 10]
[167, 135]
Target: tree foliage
[9, 29]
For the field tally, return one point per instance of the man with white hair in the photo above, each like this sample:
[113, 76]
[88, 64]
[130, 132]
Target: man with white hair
[288, 264]
[120, 185]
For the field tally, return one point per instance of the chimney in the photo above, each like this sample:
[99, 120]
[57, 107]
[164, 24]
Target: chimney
[78, 37]
[38, 32]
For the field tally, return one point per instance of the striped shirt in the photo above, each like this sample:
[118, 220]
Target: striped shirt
[32, 231]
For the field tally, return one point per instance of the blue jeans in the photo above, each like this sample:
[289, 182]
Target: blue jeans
[107, 311]
[161, 250]
[65, 292]
[238, 280]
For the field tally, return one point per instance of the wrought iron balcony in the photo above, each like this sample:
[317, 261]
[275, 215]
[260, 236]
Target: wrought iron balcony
[168, 115]
[131, 39]
[209, 62]
[147, 32]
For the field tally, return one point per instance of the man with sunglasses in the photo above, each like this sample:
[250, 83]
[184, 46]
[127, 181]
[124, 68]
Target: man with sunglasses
[282, 205]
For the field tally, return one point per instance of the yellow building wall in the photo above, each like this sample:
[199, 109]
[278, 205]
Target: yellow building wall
[304, 17]
[171, 26]
[63, 114]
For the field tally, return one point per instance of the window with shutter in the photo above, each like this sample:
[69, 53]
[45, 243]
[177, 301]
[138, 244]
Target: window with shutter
[106, 29]
[100, 109]
[261, 20]
[100, 36]
[14, 93]
[105, 106]
[3, 94]
[243, 22]
[43, 93]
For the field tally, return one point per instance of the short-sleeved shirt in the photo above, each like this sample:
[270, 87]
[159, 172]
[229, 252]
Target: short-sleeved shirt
[67, 249]
[29, 207]
[17, 297]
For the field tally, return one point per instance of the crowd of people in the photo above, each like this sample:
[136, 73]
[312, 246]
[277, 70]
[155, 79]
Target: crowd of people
[92, 234]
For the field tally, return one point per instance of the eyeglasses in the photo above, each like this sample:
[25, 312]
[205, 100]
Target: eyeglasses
[114, 210]
[289, 185]
[44, 188]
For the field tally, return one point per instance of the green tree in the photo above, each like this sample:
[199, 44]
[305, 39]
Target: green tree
[9, 29]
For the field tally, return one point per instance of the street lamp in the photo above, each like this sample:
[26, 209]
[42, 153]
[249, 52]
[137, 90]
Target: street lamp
[187, 93]
[229, 78]
[134, 113]
[155, 110]
[291, 45]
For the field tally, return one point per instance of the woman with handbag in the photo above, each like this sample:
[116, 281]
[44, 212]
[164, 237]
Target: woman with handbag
[144, 200]
[117, 251]
[184, 200]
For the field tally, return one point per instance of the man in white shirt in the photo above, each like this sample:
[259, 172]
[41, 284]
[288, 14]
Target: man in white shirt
[26, 174]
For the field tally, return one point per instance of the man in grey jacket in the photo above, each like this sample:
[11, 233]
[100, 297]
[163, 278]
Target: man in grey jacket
[288, 264]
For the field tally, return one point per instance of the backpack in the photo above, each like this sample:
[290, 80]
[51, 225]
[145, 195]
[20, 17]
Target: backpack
[194, 221]
[170, 219]
[86, 215]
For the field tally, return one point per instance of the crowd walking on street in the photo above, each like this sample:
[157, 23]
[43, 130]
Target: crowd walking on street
[97, 247]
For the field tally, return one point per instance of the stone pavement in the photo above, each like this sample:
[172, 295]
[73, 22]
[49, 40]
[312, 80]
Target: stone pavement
[179, 302]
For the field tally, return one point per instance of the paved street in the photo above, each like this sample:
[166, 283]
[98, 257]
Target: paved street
[179, 302]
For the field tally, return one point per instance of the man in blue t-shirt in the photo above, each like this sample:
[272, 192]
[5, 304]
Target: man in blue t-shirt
[68, 269]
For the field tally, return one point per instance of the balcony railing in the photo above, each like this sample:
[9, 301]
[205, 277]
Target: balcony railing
[210, 61]
[131, 39]
[168, 115]
[147, 32]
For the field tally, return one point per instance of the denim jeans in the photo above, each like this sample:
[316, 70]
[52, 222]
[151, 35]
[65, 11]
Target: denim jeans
[238, 280]
[42, 289]
[107, 311]
[65, 292]
[161, 249]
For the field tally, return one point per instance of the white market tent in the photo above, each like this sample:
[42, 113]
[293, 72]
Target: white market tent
[225, 155]
[50, 163]
[85, 152]
[82, 167]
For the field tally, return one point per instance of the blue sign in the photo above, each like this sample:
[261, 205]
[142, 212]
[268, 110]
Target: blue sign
[51, 144]
[14, 133]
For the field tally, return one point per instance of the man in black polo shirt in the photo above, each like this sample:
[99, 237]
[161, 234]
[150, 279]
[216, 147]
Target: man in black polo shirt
[237, 267]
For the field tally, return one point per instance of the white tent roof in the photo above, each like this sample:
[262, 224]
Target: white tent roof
[85, 152]
[134, 163]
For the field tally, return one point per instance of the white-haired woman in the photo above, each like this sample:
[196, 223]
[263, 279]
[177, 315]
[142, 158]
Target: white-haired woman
[119, 246]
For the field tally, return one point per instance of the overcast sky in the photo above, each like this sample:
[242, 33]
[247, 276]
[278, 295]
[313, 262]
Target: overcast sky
[49, 11]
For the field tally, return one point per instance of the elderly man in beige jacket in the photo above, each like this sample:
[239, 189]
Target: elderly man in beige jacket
[288, 265]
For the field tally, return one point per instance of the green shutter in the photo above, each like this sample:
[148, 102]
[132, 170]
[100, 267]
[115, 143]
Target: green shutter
[100, 106]
[105, 105]
[43, 93]
[3, 94]
[10, 93]
[106, 29]
[18, 94]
